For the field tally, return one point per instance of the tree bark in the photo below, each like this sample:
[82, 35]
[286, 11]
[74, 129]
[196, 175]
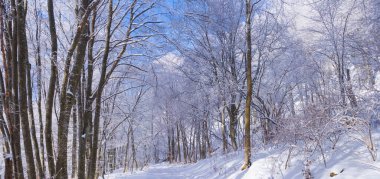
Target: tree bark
[102, 83]
[341, 83]
[74, 144]
[233, 112]
[32, 125]
[81, 167]
[15, 107]
[350, 91]
[23, 63]
[126, 161]
[51, 91]
[85, 121]
[4, 130]
[70, 83]
[133, 148]
[169, 147]
[178, 144]
[184, 143]
[39, 85]
[4, 97]
[224, 138]
[247, 114]
[172, 142]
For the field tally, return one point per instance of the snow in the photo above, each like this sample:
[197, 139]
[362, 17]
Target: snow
[8, 156]
[214, 167]
[377, 80]
[350, 156]
[69, 93]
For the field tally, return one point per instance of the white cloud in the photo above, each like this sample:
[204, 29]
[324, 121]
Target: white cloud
[170, 61]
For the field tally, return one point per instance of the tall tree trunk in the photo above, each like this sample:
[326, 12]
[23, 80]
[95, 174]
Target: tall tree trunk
[291, 99]
[86, 120]
[350, 91]
[224, 138]
[70, 84]
[194, 149]
[88, 116]
[203, 141]
[233, 112]
[16, 115]
[74, 144]
[102, 83]
[207, 138]
[39, 84]
[81, 167]
[247, 114]
[51, 91]
[33, 127]
[341, 84]
[133, 148]
[173, 145]
[178, 144]
[169, 147]
[184, 143]
[5, 95]
[126, 161]
[3, 128]
[199, 142]
[23, 63]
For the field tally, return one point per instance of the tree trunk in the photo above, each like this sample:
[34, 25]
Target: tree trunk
[4, 97]
[350, 91]
[4, 130]
[341, 87]
[74, 144]
[86, 120]
[247, 114]
[194, 149]
[184, 144]
[169, 147]
[16, 109]
[23, 64]
[102, 83]
[81, 167]
[207, 138]
[178, 145]
[224, 138]
[233, 112]
[33, 127]
[51, 91]
[39, 86]
[70, 85]
[126, 161]
[39, 91]
[134, 161]
[199, 142]
[203, 137]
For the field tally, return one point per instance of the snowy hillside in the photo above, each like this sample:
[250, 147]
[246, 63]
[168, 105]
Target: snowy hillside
[350, 160]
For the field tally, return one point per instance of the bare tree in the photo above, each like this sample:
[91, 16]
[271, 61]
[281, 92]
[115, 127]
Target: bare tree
[51, 90]
[247, 116]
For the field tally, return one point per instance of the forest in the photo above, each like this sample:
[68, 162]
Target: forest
[189, 89]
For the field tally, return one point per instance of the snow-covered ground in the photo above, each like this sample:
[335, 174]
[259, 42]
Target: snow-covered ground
[350, 157]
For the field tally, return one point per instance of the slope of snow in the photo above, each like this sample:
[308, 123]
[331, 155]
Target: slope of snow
[213, 167]
[350, 156]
